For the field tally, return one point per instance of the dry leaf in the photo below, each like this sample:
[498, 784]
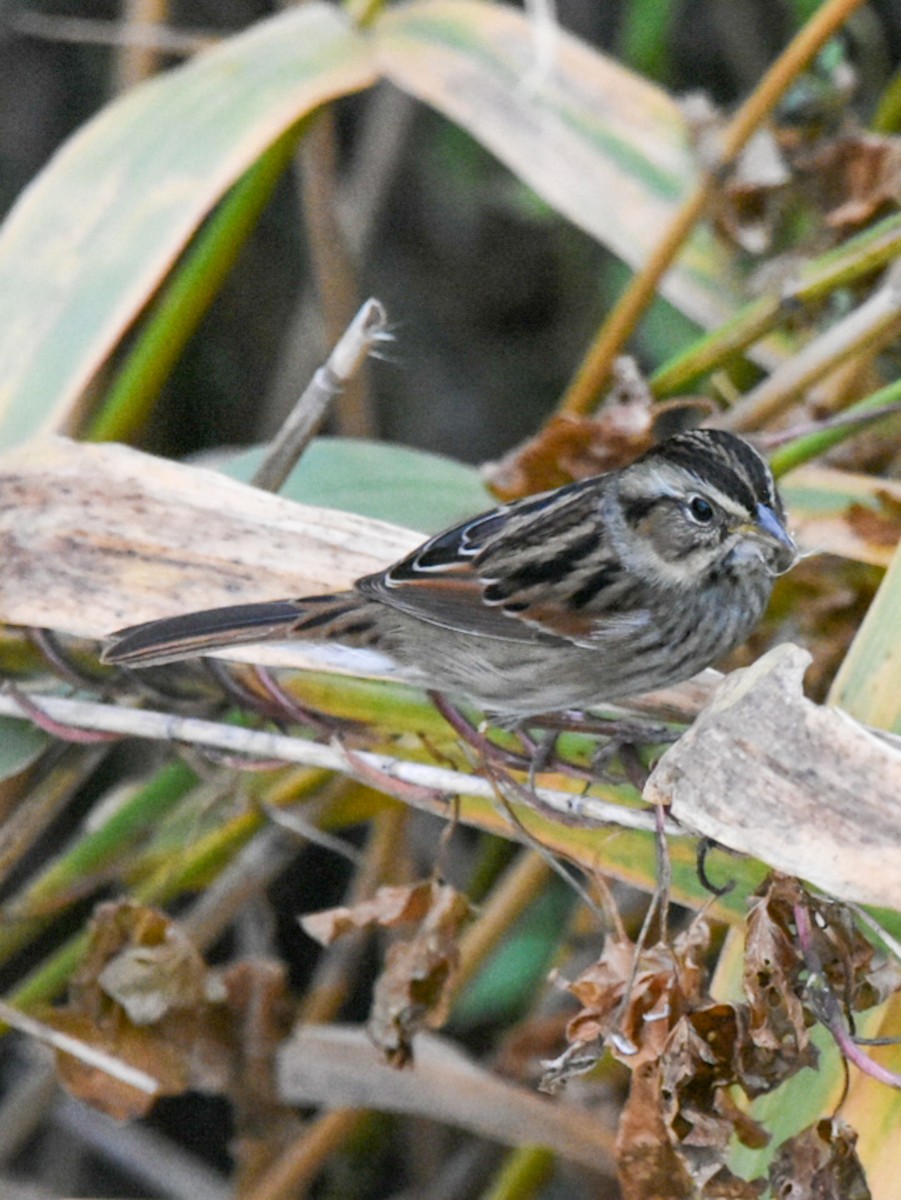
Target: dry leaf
[412, 991]
[150, 981]
[778, 1041]
[802, 787]
[686, 1050]
[881, 526]
[143, 994]
[389, 906]
[99, 536]
[665, 983]
[570, 448]
[855, 176]
[820, 1162]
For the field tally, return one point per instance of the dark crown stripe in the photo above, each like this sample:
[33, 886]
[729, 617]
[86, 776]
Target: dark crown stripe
[714, 471]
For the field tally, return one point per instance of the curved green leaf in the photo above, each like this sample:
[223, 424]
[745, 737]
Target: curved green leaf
[90, 240]
[603, 146]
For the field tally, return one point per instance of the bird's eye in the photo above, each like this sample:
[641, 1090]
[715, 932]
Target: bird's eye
[701, 510]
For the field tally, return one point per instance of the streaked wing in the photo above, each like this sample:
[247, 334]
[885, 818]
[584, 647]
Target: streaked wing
[522, 572]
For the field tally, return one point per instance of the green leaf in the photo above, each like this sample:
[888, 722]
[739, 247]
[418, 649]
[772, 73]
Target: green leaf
[21, 743]
[393, 483]
[90, 240]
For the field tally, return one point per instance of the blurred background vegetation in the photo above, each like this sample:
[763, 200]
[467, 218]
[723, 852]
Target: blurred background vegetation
[493, 298]
[479, 361]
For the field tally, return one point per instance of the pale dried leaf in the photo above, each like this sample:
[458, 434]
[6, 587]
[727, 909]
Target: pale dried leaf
[805, 788]
[339, 1067]
[412, 992]
[94, 537]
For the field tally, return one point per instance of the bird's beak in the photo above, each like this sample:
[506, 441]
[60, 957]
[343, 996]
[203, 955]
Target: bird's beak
[769, 532]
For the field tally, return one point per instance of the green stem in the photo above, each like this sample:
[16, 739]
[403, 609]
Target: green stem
[841, 267]
[42, 901]
[812, 445]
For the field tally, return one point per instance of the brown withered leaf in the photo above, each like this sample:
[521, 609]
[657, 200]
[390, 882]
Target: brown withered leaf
[666, 983]
[143, 994]
[570, 448]
[779, 1027]
[820, 1162]
[855, 177]
[650, 1167]
[686, 1050]
[412, 991]
[881, 526]
[131, 1046]
[390, 906]
[678, 1120]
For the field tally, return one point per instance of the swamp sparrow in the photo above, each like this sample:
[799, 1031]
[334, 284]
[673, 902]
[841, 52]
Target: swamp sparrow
[616, 585]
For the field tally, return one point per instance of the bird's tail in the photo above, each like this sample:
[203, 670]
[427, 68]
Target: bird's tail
[194, 634]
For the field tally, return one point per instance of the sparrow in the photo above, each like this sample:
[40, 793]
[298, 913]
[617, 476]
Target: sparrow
[609, 587]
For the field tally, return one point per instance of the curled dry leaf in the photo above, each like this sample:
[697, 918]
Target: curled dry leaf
[638, 1013]
[570, 448]
[389, 906]
[686, 1050]
[144, 994]
[855, 177]
[802, 787]
[413, 992]
[778, 1026]
[820, 1161]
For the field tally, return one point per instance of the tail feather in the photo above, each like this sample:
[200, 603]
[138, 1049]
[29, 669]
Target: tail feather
[194, 634]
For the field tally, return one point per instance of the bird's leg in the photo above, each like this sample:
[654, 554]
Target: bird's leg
[295, 711]
[621, 739]
[471, 736]
[275, 703]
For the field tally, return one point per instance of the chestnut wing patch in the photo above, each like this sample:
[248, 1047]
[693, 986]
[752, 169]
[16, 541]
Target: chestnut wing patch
[527, 572]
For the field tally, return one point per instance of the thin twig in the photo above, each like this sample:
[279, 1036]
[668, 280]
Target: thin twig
[89, 31]
[869, 327]
[770, 439]
[823, 1001]
[135, 61]
[425, 778]
[368, 329]
[335, 272]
